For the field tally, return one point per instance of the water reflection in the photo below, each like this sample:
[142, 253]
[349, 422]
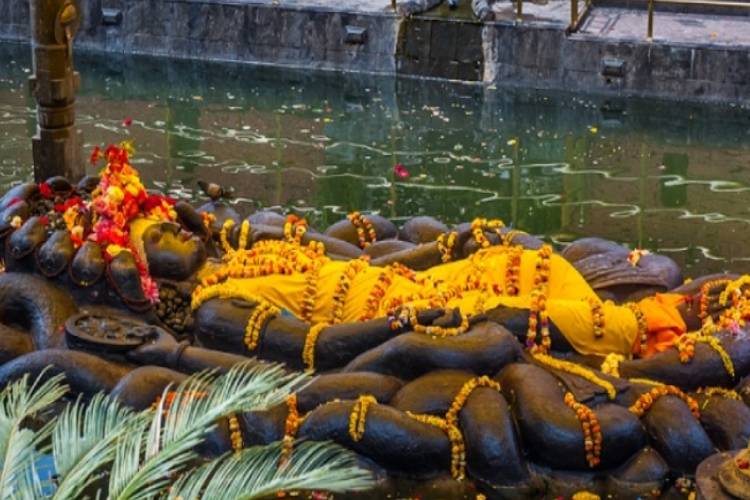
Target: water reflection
[663, 176]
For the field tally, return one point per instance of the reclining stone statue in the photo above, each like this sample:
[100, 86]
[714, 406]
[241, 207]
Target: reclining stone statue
[476, 353]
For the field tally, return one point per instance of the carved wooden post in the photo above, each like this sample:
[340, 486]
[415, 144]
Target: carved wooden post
[54, 84]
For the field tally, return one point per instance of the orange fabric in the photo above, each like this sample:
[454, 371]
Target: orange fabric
[665, 324]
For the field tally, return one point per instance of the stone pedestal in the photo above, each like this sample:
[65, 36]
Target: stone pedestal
[56, 145]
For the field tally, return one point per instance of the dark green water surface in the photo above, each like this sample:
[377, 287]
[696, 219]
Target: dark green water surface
[665, 176]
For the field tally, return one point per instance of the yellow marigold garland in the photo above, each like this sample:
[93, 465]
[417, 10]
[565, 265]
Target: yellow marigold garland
[244, 235]
[235, 433]
[224, 238]
[480, 225]
[308, 351]
[686, 348]
[646, 381]
[645, 401]
[460, 400]
[353, 267]
[311, 289]
[575, 369]
[597, 317]
[592, 431]
[508, 236]
[358, 417]
[704, 294]
[408, 315]
[458, 448]
[445, 244]
[611, 364]
[720, 391]
[262, 313]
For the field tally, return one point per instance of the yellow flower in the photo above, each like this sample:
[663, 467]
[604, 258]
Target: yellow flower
[16, 222]
[115, 250]
[115, 194]
[134, 188]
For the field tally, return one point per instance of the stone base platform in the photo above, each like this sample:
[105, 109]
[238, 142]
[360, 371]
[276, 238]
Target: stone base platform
[698, 56]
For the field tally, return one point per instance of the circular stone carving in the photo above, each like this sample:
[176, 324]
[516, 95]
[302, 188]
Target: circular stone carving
[105, 332]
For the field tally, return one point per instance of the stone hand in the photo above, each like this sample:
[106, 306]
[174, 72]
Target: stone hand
[160, 350]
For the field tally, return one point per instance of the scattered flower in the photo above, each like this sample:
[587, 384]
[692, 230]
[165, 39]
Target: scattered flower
[401, 171]
[45, 190]
[127, 121]
[593, 130]
[635, 256]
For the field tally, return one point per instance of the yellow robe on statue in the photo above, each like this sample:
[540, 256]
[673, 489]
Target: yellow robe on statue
[568, 295]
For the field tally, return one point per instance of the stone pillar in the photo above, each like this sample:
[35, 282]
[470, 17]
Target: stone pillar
[56, 147]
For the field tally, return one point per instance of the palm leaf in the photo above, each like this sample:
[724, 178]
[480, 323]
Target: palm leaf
[83, 442]
[145, 461]
[19, 447]
[254, 473]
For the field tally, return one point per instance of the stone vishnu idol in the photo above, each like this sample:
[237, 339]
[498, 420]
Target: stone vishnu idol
[453, 359]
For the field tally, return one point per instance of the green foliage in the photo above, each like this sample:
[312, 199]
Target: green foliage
[104, 450]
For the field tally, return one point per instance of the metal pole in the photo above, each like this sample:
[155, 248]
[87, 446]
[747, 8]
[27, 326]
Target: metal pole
[519, 10]
[55, 145]
[650, 33]
[573, 14]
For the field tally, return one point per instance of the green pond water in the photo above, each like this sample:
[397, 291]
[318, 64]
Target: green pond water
[665, 176]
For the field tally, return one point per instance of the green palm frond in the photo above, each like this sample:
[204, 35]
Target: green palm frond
[147, 457]
[83, 441]
[20, 447]
[254, 473]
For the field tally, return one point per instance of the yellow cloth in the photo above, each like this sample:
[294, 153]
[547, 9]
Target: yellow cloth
[568, 296]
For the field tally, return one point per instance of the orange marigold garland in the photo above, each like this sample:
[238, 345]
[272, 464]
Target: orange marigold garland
[640, 319]
[644, 403]
[592, 431]
[294, 229]
[358, 417]
[379, 289]
[538, 316]
[513, 270]
[365, 231]
[308, 351]
[458, 448]
[291, 426]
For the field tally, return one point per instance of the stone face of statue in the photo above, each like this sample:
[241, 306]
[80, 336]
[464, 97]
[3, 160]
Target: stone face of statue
[171, 252]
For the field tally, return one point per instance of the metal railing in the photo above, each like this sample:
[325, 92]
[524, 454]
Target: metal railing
[578, 17]
[701, 3]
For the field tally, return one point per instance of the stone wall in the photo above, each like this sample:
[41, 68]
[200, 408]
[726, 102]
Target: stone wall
[230, 31]
[548, 58]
